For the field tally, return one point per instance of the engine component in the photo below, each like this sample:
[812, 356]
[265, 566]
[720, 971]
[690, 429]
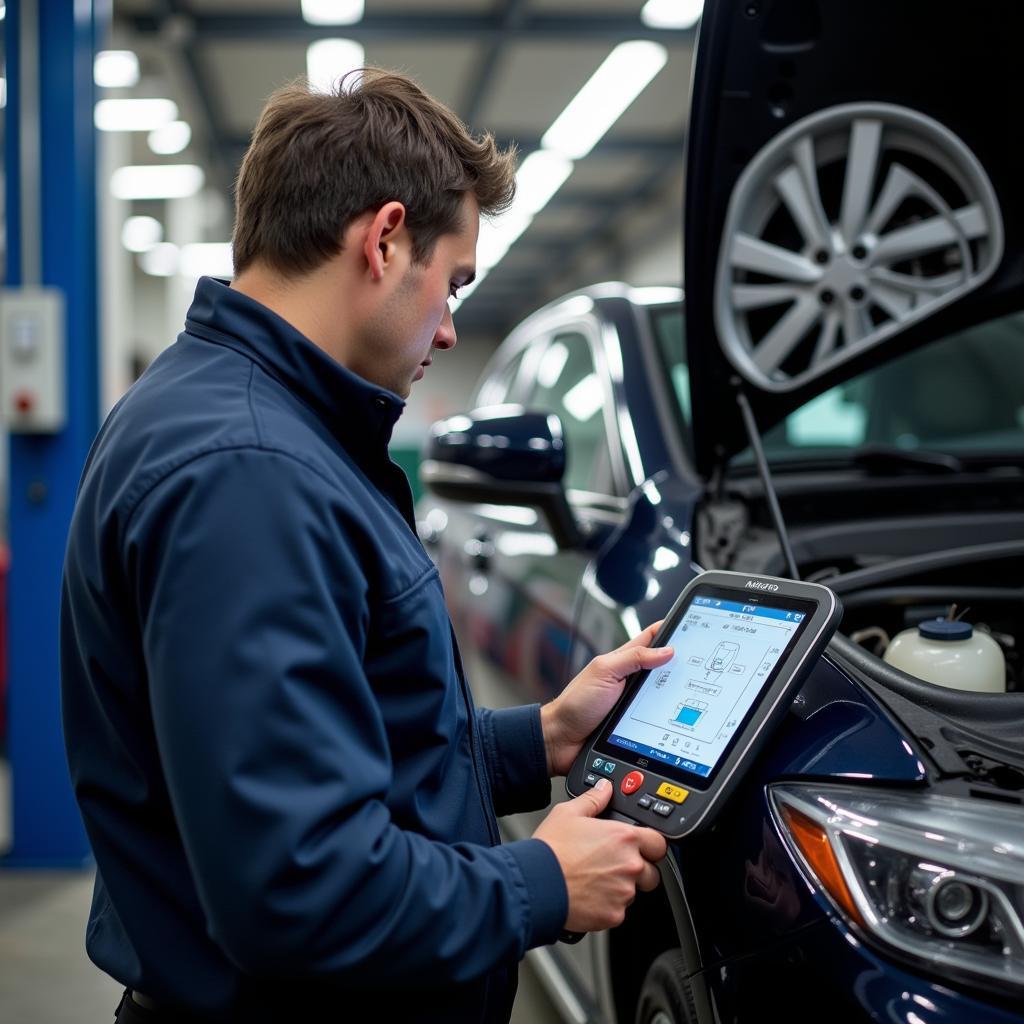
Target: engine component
[950, 654]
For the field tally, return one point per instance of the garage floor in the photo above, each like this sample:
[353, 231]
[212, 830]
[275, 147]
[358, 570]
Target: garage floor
[45, 976]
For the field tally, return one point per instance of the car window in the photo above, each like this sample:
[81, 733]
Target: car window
[961, 394]
[566, 382]
[498, 387]
[671, 341]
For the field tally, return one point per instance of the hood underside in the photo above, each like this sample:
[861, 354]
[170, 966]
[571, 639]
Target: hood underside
[850, 195]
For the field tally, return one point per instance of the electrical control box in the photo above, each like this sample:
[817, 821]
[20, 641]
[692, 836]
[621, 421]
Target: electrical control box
[33, 360]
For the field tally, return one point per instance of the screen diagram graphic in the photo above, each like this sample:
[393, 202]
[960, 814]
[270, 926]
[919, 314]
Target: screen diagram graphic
[686, 712]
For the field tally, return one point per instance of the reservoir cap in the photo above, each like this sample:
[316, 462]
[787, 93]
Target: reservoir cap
[943, 629]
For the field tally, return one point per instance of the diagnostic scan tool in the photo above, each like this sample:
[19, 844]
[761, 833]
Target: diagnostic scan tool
[681, 736]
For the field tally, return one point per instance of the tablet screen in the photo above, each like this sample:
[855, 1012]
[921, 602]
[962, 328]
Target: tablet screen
[684, 716]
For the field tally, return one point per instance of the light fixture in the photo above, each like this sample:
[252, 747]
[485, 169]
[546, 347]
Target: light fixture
[115, 69]
[671, 13]
[206, 259]
[623, 75]
[131, 115]
[327, 60]
[161, 260]
[139, 234]
[170, 181]
[3, 93]
[170, 138]
[539, 177]
[332, 12]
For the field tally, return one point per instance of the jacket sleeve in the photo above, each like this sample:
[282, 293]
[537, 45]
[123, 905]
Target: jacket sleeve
[254, 616]
[513, 745]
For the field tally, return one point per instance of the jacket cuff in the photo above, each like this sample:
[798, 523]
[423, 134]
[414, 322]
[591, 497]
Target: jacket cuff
[517, 760]
[547, 899]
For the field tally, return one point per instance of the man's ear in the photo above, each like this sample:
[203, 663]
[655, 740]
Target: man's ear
[379, 242]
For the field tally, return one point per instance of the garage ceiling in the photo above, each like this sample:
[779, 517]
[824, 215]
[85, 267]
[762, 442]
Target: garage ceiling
[507, 66]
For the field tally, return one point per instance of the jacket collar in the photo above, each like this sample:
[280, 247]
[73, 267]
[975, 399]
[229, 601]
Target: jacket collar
[358, 413]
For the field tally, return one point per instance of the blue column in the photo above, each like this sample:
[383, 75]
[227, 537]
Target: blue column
[51, 197]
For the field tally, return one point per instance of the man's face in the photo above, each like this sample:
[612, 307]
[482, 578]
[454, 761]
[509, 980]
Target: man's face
[414, 319]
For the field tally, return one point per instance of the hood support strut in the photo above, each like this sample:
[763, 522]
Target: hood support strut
[766, 478]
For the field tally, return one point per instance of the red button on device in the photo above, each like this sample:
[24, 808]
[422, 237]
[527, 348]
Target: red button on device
[632, 782]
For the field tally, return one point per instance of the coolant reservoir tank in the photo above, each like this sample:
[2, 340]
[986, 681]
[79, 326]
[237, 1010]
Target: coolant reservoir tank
[950, 654]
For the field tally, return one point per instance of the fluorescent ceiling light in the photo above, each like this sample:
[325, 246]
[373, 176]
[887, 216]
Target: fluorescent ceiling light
[171, 181]
[497, 237]
[115, 69]
[3, 93]
[625, 73]
[328, 59]
[206, 259]
[134, 115]
[161, 260]
[332, 12]
[140, 234]
[672, 13]
[539, 177]
[170, 138]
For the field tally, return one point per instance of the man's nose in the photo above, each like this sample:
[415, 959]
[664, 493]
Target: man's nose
[445, 336]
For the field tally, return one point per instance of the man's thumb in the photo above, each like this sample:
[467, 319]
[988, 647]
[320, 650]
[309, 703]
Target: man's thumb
[594, 801]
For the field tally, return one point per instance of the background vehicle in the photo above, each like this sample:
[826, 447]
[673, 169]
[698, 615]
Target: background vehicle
[855, 275]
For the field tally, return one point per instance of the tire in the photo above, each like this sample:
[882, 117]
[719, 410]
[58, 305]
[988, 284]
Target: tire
[666, 996]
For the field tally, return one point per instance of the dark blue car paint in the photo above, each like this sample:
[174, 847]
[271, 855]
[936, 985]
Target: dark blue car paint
[770, 942]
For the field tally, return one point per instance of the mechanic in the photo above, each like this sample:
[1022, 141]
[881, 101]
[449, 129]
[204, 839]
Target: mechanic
[289, 793]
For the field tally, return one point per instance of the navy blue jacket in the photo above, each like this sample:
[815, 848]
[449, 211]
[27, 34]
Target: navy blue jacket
[289, 794]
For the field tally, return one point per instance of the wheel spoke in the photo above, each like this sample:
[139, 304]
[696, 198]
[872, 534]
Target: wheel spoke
[803, 153]
[899, 183]
[827, 338]
[865, 141]
[793, 189]
[856, 324]
[898, 304]
[929, 235]
[780, 341]
[759, 296]
[749, 253]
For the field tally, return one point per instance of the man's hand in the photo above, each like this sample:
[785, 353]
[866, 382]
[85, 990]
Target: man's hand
[578, 710]
[604, 862]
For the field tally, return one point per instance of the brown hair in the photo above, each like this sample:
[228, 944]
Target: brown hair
[317, 161]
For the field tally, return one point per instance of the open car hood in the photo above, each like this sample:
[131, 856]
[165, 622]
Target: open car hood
[852, 193]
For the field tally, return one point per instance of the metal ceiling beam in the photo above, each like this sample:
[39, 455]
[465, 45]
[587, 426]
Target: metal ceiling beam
[178, 31]
[413, 24]
[513, 15]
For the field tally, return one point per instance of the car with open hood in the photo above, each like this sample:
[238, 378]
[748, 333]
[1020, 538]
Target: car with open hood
[840, 398]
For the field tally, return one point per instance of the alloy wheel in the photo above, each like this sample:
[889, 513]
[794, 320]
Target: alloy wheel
[843, 230]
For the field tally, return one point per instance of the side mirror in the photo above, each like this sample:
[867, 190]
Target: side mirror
[503, 455]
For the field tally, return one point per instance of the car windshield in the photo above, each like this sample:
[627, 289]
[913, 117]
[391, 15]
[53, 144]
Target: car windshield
[962, 394]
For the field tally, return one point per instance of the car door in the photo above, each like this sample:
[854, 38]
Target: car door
[512, 590]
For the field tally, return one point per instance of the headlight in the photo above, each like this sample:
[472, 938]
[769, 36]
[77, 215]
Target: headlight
[939, 879]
